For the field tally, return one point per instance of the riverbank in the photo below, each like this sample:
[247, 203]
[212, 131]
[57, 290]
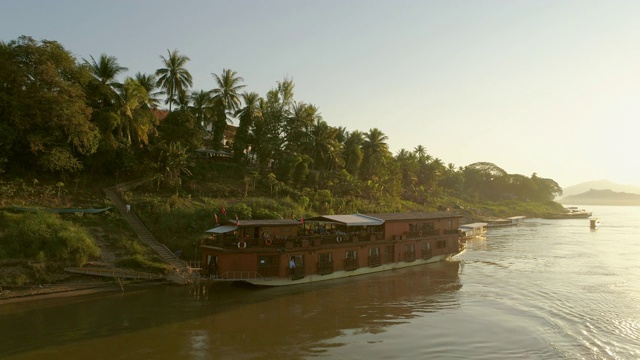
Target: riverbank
[15, 295]
[10, 295]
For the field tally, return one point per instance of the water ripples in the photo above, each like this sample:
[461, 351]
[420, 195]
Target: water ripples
[579, 287]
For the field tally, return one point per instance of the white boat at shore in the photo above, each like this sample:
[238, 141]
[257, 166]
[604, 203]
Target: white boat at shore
[472, 230]
[510, 221]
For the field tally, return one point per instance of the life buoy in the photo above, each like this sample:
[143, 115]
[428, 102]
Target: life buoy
[338, 238]
[268, 242]
[242, 244]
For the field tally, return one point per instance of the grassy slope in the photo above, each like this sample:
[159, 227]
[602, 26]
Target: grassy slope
[179, 219]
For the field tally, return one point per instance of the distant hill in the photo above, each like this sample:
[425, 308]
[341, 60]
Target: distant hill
[602, 197]
[599, 185]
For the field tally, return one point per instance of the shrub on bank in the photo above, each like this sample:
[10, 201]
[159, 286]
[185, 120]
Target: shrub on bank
[140, 263]
[45, 236]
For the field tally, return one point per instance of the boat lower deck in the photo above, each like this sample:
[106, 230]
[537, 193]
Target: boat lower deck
[254, 278]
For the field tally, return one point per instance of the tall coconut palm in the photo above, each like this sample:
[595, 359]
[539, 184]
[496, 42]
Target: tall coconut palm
[183, 100]
[136, 119]
[226, 98]
[353, 152]
[173, 78]
[148, 82]
[202, 107]
[408, 164]
[248, 115]
[105, 70]
[375, 151]
[298, 127]
[324, 149]
[421, 153]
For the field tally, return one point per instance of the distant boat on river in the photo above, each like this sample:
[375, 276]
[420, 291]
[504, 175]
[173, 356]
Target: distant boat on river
[472, 230]
[571, 212]
[510, 221]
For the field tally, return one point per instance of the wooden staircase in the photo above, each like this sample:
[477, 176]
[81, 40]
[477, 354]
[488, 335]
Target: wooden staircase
[181, 269]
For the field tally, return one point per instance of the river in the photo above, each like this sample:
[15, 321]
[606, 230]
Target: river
[547, 289]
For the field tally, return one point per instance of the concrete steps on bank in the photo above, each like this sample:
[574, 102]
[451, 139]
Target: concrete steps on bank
[147, 238]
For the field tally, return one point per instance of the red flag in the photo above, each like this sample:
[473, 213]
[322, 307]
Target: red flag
[302, 220]
[224, 212]
[216, 215]
[237, 221]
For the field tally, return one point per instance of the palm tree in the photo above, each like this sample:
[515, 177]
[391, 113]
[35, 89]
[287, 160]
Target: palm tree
[105, 70]
[248, 115]
[173, 77]
[353, 152]
[226, 98]
[135, 118]
[324, 148]
[183, 100]
[298, 126]
[375, 151]
[419, 150]
[408, 165]
[148, 82]
[201, 107]
[174, 162]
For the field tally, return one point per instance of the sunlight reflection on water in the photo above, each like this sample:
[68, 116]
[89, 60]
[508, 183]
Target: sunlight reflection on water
[549, 289]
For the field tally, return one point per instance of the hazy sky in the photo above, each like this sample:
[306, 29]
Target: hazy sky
[551, 87]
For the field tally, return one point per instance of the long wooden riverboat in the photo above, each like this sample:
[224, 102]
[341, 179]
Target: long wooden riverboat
[289, 252]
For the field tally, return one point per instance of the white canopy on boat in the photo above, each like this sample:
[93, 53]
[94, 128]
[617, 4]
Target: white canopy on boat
[222, 229]
[473, 225]
[348, 220]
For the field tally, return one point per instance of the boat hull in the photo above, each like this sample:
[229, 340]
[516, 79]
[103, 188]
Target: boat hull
[270, 282]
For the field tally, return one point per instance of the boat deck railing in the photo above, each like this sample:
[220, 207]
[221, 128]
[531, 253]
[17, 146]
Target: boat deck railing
[237, 276]
[315, 240]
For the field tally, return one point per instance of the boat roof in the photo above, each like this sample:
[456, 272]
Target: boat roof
[416, 215]
[473, 225]
[516, 217]
[348, 220]
[266, 222]
[222, 229]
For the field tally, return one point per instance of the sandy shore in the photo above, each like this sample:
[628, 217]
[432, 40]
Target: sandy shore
[8, 296]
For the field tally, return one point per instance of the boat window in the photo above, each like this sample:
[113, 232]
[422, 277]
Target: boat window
[325, 257]
[267, 260]
[351, 254]
[374, 251]
[424, 226]
[390, 254]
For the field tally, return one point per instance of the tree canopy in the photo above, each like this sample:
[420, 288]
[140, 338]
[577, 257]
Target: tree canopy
[62, 115]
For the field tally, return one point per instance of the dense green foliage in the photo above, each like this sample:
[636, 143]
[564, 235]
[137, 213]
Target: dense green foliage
[63, 116]
[68, 120]
[45, 237]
